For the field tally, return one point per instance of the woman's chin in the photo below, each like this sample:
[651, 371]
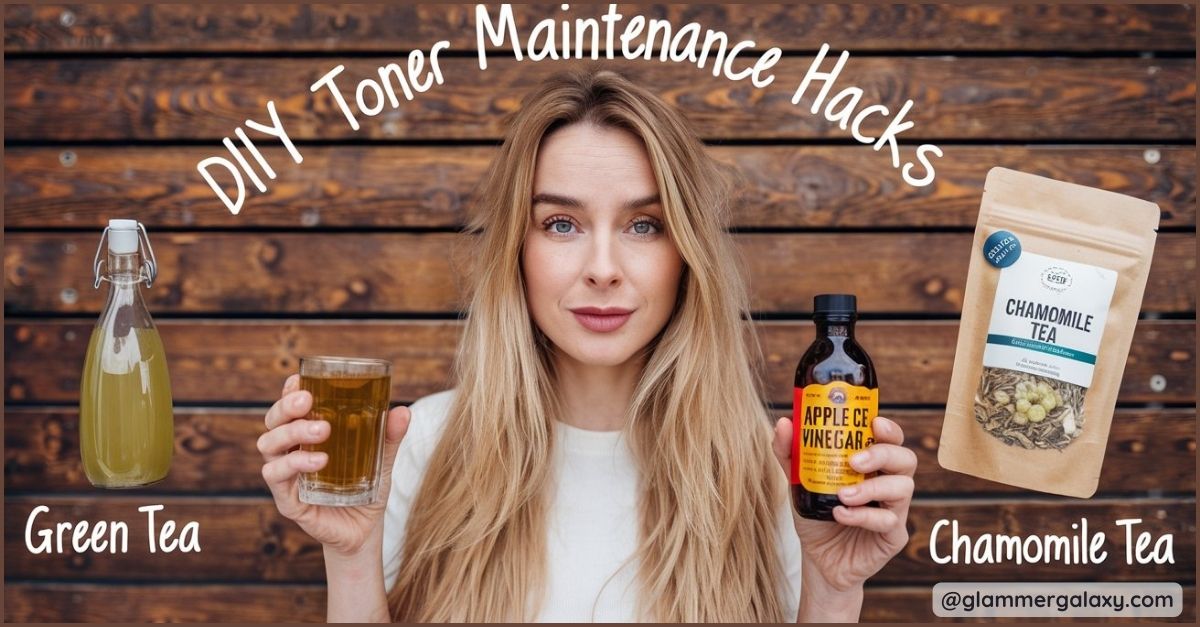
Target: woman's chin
[601, 353]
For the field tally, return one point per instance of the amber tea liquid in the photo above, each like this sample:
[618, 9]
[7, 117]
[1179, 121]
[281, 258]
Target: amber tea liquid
[352, 396]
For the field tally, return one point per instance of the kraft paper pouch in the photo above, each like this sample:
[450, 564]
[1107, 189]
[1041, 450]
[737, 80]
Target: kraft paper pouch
[1054, 288]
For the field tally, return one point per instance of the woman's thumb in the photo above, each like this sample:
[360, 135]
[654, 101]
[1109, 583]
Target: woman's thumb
[783, 443]
[397, 425]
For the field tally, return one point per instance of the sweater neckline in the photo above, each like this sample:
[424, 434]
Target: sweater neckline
[579, 440]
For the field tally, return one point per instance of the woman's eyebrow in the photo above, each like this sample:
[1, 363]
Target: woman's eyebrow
[643, 202]
[556, 199]
[567, 201]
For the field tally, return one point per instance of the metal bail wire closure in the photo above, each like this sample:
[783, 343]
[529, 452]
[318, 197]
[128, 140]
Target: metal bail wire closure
[149, 261]
[96, 263]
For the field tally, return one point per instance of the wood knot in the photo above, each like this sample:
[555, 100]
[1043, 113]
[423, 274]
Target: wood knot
[269, 253]
[23, 334]
[934, 286]
[929, 443]
[18, 274]
[1180, 356]
[442, 200]
[52, 440]
[16, 391]
[1137, 446]
[197, 443]
[359, 287]
[336, 298]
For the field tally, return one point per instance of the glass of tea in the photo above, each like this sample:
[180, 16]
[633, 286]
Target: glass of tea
[351, 394]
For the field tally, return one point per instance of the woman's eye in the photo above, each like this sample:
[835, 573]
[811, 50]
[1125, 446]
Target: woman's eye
[560, 226]
[645, 227]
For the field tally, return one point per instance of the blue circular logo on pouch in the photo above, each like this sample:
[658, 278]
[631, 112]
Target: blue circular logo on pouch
[1002, 249]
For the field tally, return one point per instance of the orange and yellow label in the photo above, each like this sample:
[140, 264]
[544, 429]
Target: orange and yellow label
[830, 422]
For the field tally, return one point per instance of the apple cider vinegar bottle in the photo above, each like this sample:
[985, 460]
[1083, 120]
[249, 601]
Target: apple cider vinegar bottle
[836, 397]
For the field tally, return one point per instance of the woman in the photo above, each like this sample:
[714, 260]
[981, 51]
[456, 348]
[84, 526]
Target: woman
[605, 454]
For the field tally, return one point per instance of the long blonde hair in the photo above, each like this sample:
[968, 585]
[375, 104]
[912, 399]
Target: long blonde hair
[711, 490]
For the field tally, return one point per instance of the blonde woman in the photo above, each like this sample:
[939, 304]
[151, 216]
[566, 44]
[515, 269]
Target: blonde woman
[605, 454]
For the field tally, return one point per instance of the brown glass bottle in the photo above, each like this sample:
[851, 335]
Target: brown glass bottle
[836, 397]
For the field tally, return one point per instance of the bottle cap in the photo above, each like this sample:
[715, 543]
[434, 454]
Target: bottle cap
[845, 304]
[122, 236]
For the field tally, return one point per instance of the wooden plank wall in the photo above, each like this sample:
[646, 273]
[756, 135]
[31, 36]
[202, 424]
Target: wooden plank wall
[109, 108]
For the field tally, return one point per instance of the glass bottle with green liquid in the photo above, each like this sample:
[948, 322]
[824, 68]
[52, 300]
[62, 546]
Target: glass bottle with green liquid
[126, 420]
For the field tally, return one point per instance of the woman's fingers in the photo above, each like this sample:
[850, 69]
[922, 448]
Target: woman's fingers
[286, 467]
[783, 442]
[280, 475]
[887, 431]
[288, 436]
[883, 489]
[291, 384]
[870, 518]
[892, 459]
[394, 431]
[293, 405]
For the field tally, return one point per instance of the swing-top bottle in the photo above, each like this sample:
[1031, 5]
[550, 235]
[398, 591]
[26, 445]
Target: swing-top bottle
[126, 421]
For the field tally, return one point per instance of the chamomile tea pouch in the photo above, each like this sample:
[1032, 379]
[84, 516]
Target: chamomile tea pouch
[1054, 289]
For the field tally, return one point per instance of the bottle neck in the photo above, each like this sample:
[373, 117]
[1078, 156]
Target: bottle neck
[124, 268]
[835, 326]
[124, 308]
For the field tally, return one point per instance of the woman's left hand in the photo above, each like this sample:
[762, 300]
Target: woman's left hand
[865, 538]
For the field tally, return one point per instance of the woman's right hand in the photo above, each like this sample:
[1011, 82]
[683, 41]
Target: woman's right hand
[344, 530]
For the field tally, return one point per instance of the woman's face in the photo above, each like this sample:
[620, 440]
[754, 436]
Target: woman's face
[601, 273]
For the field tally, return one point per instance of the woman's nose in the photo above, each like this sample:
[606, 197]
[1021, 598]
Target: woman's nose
[602, 269]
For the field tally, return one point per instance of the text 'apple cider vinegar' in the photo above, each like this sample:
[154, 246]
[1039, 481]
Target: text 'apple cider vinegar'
[126, 420]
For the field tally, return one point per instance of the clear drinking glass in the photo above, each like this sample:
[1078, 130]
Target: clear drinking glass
[352, 395]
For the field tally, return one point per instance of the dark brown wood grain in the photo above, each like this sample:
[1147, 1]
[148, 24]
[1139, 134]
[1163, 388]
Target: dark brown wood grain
[399, 186]
[215, 452]
[385, 28]
[85, 602]
[246, 539]
[923, 272]
[237, 360]
[163, 603]
[955, 97]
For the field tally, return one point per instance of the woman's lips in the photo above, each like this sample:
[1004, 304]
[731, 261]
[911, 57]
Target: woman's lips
[602, 320]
